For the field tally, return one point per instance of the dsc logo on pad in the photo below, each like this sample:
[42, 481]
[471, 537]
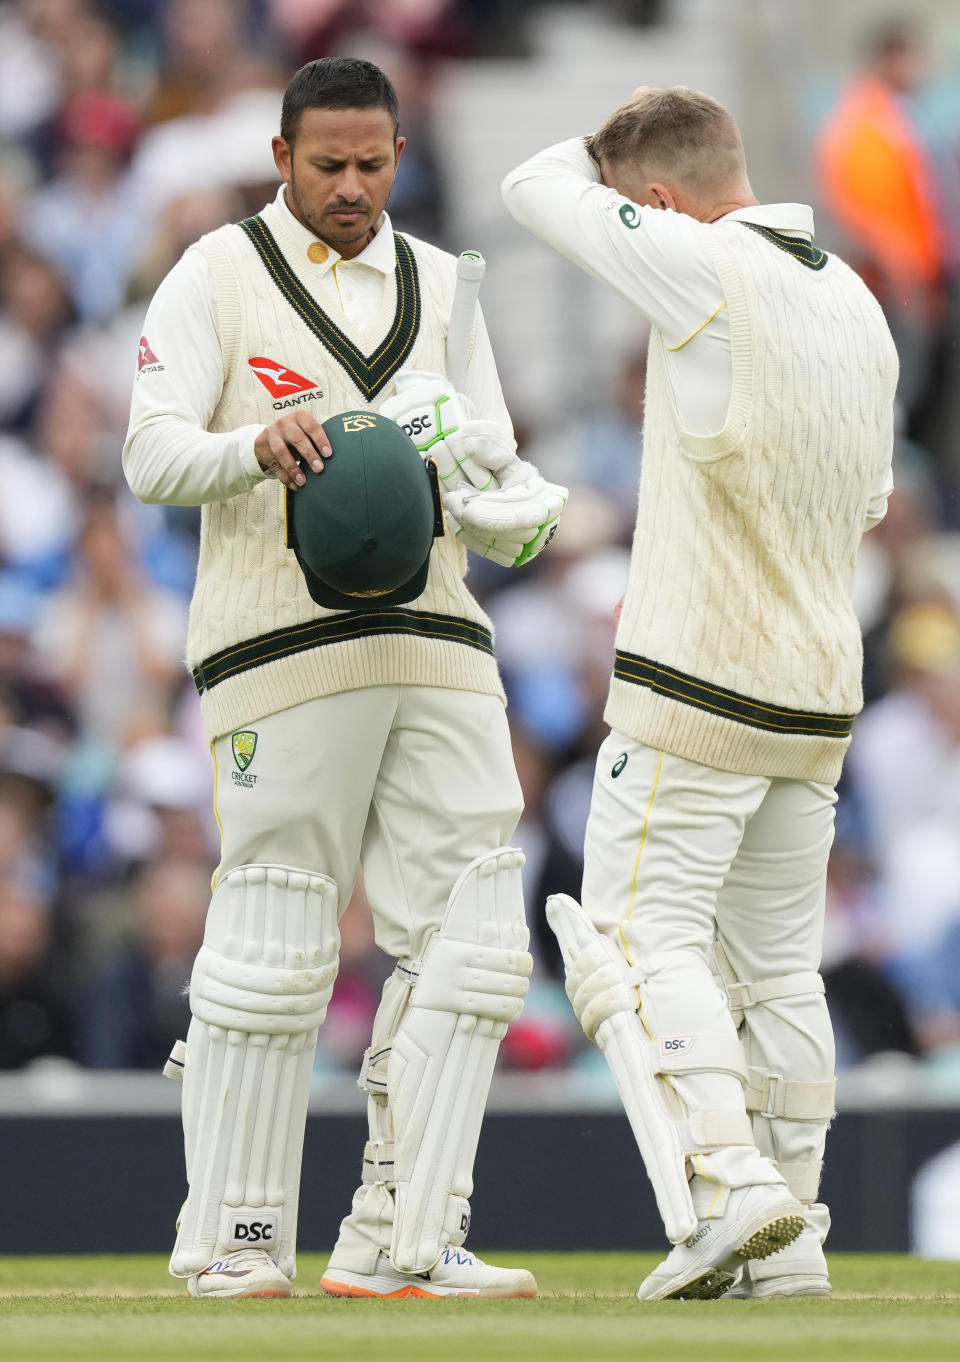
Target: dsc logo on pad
[261, 1232]
[675, 1045]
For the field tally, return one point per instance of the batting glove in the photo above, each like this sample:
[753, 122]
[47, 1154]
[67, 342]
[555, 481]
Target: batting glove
[430, 410]
[514, 522]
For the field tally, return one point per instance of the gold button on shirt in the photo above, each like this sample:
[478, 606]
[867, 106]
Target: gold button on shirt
[317, 252]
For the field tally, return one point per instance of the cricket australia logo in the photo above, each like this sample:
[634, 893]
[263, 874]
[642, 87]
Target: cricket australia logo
[244, 745]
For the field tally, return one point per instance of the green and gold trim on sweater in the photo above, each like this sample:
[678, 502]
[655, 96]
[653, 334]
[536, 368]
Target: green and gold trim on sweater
[279, 643]
[370, 373]
[676, 685]
[798, 247]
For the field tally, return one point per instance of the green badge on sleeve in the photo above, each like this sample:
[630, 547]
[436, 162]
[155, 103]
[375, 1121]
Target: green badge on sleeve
[630, 215]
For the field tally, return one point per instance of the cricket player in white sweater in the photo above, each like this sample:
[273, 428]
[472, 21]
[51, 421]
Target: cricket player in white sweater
[374, 734]
[694, 959]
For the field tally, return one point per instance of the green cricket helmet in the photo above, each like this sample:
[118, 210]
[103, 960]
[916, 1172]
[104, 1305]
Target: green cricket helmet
[362, 530]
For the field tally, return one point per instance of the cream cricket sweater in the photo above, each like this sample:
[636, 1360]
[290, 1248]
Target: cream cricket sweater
[257, 643]
[737, 645]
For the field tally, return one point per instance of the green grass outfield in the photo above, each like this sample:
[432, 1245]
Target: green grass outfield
[127, 1308]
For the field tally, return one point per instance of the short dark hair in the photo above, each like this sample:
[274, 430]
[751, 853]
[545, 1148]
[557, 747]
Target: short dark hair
[337, 83]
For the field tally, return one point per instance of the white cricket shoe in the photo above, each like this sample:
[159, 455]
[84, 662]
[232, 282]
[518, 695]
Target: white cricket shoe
[245, 1272]
[798, 1270]
[456, 1273]
[787, 1284]
[759, 1220]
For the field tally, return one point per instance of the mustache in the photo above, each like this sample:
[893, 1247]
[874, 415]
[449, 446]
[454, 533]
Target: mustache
[352, 205]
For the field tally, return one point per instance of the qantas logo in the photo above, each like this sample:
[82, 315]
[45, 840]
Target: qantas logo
[282, 383]
[147, 361]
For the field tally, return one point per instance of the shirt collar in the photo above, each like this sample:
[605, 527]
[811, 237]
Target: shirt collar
[379, 254]
[782, 217]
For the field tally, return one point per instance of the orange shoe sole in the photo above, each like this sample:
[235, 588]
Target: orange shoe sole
[405, 1293]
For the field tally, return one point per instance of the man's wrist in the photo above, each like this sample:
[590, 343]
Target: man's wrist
[247, 454]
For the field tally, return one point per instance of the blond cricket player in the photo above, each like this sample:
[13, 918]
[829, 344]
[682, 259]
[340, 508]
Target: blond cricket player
[349, 722]
[693, 962]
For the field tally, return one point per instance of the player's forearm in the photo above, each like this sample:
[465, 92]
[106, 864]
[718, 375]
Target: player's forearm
[559, 197]
[553, 195]
[169, 461]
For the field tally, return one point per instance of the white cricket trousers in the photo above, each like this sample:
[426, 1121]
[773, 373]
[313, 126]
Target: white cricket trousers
[678, 855]
[412, 781]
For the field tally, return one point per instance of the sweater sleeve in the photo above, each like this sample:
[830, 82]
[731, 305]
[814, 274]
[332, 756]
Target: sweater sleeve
[169, 456]
[881, 485]
[657, 260]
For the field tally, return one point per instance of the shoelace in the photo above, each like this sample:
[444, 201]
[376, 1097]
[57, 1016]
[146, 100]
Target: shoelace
[240, 1258]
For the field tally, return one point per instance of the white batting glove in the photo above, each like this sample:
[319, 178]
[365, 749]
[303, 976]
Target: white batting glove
[431, 411]
[504, 554]
[515, 521]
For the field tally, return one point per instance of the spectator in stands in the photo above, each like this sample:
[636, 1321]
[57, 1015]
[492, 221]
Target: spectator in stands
[85, 219]
[33, 1017]
[905, 768]
[136, 1005]
[208, 57]
[112, 640]
[36, 309]
[880, 184]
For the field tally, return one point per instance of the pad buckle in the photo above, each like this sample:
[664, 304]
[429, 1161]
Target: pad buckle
[772, 1082]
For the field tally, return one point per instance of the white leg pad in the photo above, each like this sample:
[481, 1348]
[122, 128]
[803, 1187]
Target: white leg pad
[471, 984]
[602, 987]
[791, 1089]
[259, 992]
[603, 994]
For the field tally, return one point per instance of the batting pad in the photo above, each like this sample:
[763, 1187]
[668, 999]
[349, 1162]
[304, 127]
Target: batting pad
[472, 982]
[602, 987]
[259, 993]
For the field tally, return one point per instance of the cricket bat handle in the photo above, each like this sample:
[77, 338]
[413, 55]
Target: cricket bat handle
[470, 269]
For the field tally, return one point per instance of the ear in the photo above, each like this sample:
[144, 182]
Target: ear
[282, 156]
[401, 143]
[662, 195]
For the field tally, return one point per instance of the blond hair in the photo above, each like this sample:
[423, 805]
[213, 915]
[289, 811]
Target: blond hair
[675, 134]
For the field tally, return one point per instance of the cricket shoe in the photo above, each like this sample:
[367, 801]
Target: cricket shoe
[456, 1273]
[759, 1220]
[245, 1272]
[799, 1270]
[787, 1284]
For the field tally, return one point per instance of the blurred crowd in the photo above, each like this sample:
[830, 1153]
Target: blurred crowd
[128, 128]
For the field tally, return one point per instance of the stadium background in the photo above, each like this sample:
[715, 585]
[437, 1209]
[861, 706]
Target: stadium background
[129, 127]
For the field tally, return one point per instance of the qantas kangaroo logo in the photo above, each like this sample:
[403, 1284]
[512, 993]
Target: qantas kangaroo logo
[281, 382]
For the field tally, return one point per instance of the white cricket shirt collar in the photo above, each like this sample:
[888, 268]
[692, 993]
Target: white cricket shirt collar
[782, 217]
[379, 254]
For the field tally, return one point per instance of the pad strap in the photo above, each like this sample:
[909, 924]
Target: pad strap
[773, 1095]
[803, 1179]
[707, 1130]
[741, 996]
[373, 1071]
[173, 1069]
[379, 1167]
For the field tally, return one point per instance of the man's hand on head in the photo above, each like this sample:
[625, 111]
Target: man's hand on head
[293, 437]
